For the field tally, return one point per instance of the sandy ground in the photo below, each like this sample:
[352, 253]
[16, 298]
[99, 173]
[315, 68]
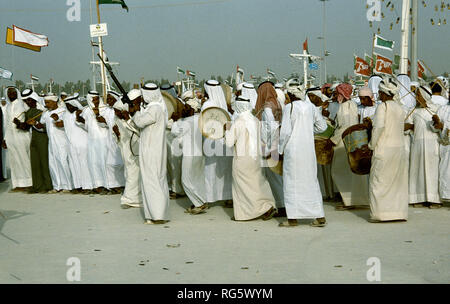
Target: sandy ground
[42, 231]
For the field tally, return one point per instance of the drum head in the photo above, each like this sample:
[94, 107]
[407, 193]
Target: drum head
[228, 92]
[171, 103]
[211, 122]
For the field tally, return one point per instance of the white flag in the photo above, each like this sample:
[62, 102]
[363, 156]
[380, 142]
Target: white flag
[27, 37]
[5, 74]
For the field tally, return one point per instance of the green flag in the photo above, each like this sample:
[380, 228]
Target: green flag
[382, 43]
[396, 64]
[180, 71]
[121, 2]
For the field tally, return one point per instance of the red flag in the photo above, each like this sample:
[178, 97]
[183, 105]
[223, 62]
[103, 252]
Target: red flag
[305, 45]
[361, 67]
[420, 70]
[383, 65]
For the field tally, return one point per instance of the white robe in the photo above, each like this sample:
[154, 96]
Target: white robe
[4, 152]
[193, 161]
[78, 152]
[364, 112]
[424, 160]
[270, 134]
[353, 188]
[438, 100]
[218, 166]
[153, 161]
[444, 152]
[18, 143]
[129, 147]
[115, 175]
[251, 191]
[302, 196]
[58, 151]
[97, 147]
[173, 162]
[388, 182]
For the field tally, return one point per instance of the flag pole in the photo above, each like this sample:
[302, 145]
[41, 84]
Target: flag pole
[372, 64]
[100, 42]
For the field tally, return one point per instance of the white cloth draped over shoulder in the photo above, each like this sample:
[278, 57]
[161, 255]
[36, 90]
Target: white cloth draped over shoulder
[302, 196]
[18, 142]
[444, 152]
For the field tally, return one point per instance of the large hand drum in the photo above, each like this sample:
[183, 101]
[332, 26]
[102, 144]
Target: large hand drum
[356, 140]
[211, 122]
[324, 153]
[171, 103]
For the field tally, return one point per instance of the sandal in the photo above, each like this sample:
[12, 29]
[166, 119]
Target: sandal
[317, 223]
[343, 207]
[289, 224]
[155, 222]
[269, 214]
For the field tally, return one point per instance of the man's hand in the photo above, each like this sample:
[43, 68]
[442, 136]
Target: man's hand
[54, 116]
[78, 117]
[437, 123]
[325, 113]
[59, 124]
[409, 126]
[31, 122]
[116, 131]
[16, 121]
[39, 125]
[125, 115]
[226, 126]
[4, 146]
[101, 119]
[367, 122]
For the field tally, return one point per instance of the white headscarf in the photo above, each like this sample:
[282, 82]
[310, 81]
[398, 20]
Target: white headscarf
[249, 92]
[407, 98]
[426, 94]
[389, 87]
[89, 98]
[215, 94]
[73, 101]
[281, 97]
[152, 96]
[373, 84]
[29, 93]
[242, 105]
[243, 108]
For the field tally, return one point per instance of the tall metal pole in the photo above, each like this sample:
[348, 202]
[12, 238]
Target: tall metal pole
[414, 56]
[324, 27]
[405, 37]
[100, 42]
[93, 85]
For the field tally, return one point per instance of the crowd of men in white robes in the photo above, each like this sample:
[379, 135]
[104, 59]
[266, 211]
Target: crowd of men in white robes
[135, 149]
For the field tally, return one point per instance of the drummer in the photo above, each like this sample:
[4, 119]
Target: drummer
[366, 110]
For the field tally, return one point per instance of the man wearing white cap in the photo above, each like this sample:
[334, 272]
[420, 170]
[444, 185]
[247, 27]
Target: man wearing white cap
[129, 146]
[249, 92]
[218, 158]
[115, 176]
[58, 145]
[42, 181]
[91, 119]
[78, 143]
[152, 119]
[16, 141]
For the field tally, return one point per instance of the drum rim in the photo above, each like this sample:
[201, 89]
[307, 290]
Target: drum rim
[200, 120]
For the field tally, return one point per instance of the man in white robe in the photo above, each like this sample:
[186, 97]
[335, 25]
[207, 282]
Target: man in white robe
[388, 182]
[367, 107]
[437, 98]
[3, 168]
[252, 197]
[218, 158]
[16, 141]
[58, 145]
[354, 189]
[193, 161]
[129, 146]
[424, 159]
[152, 119]
[94, 123]
[115, 176]
[441, 125]
[78, 146]
[302, 196]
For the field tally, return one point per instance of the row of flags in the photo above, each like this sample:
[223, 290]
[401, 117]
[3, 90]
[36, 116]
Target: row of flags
[383, 65]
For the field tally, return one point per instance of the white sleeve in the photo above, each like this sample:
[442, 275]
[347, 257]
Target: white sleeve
[286, 128]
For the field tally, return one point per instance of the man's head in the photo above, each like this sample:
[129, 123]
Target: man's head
[12, 94]
[366, 96]
[71, 108]
[111, 99]
[344, 92]
[96, 101]
[436, 88]
[51, 102]
[63, 96]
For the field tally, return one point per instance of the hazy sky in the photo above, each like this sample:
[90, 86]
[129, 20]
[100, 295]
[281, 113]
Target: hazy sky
[208, 37]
